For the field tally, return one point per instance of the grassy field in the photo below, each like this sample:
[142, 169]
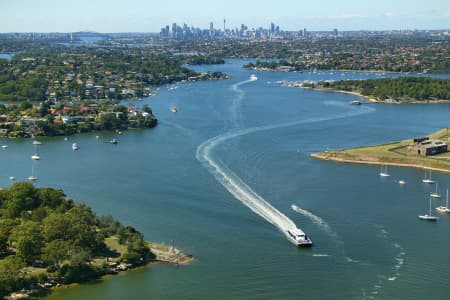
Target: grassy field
[395, 153]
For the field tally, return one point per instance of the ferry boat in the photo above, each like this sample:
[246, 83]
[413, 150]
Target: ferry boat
[298, 237]
[75, 146]
[253, 77]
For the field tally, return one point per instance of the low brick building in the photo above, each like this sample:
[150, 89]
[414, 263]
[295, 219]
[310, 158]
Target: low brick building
[424, 146]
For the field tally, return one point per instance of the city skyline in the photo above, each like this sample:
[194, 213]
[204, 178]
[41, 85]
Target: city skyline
[151, 16]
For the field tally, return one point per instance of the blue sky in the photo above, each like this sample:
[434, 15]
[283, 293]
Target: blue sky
[151, 15]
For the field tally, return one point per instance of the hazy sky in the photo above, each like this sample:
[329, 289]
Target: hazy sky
[151, 15]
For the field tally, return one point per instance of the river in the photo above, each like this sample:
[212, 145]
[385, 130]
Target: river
[218, 179]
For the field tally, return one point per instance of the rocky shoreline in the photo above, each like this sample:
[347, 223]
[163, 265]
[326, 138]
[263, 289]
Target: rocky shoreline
[164, 254]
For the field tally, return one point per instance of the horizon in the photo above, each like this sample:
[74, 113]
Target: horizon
[157, 32]
[140, 16]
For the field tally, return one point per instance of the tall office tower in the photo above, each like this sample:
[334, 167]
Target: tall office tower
[272, 27]
[211, 29]
[174, 30]
[224, 27]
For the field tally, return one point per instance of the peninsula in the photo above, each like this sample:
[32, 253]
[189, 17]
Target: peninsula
[390, 90]
[406, 153]
[47, 240]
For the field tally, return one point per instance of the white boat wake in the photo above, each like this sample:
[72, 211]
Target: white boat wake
[315, 219]
[238, 188]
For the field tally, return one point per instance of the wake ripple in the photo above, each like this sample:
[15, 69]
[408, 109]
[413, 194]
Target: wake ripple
[315, 219]
[238, 188]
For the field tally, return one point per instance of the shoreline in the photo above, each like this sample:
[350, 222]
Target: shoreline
[395, 153]
[339, 70]
[164, 255]
[373, 100]
[321, 89]
[321, 156]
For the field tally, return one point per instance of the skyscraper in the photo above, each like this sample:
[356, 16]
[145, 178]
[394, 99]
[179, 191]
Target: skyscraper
[211, 29]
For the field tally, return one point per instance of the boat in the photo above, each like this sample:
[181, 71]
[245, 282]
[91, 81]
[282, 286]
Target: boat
[113, 141]
[4, 146]
[75, 146]
[444, 209]
[429, 216]
[37, 142]
[173, 109]
[298, 237]
[427, 180]
[435, 194]
[32, 177]
[401, 182]
[35, 156]
[384, 173]
[355, 102]
[12, 178]
[253, 77]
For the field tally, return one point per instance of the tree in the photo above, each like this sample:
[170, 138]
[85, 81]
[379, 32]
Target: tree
[55, 252]
[146, 108]
[9, 274]
[21, 197]
[27, 239]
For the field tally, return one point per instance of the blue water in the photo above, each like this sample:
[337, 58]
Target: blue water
[368, 241]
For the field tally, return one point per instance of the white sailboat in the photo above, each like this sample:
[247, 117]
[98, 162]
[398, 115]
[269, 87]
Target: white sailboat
[401, 182]
[444, 209]
[384, 173]
[32, 177]
[435, 194]
[429, 216]
[35, 156]
[427, 180]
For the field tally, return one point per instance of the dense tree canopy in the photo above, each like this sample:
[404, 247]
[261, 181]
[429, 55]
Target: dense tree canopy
[403, 88]
[39, 227]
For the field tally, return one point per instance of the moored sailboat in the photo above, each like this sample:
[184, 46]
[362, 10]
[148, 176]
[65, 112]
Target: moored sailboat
[427, 180]
[435, 194]
[384, 173]
[444, 209]
[429, 216]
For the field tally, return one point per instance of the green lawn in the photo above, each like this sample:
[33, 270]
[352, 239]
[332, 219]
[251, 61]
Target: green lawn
[393, 153]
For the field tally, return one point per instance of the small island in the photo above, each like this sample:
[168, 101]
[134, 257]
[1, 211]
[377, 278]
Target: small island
[391, 90]
[47, 240]
[429, 152]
